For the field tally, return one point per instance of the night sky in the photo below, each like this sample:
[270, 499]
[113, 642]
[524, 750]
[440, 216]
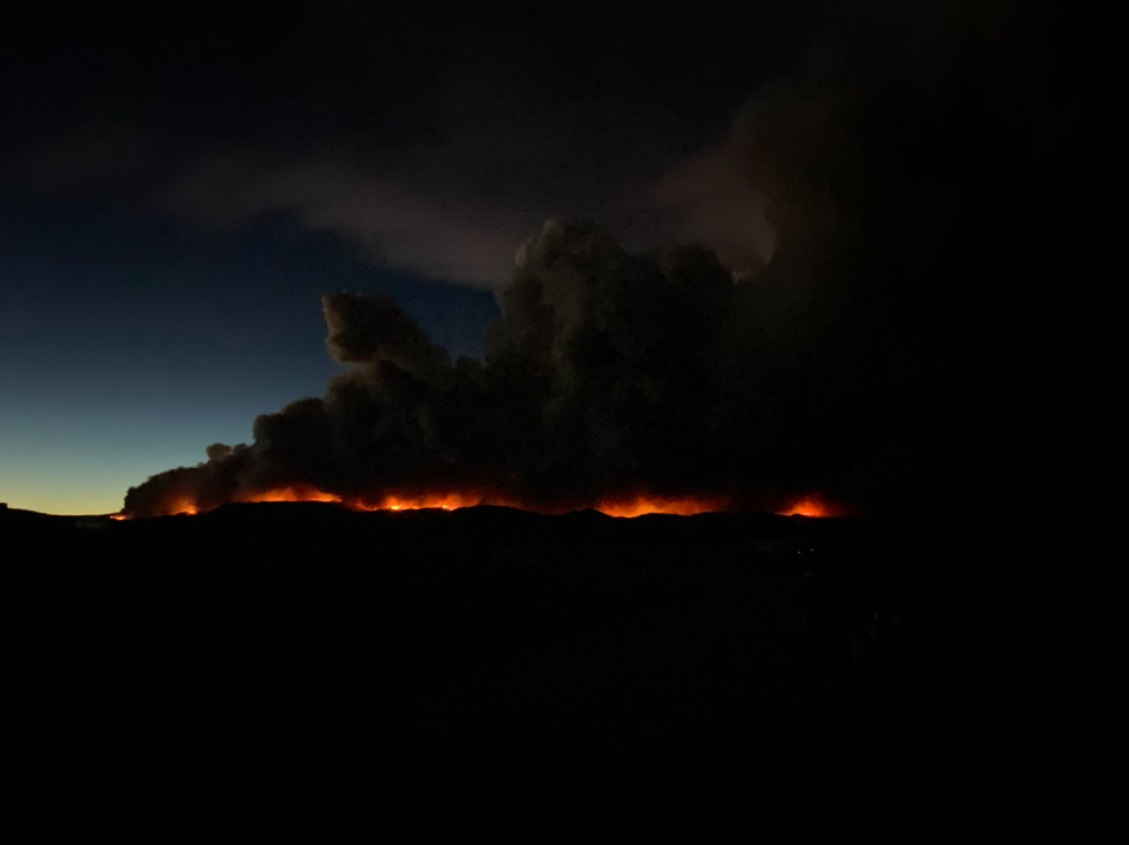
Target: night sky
[179, 189]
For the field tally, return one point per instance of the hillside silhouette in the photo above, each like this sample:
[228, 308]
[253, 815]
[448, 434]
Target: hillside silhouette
[288, 667]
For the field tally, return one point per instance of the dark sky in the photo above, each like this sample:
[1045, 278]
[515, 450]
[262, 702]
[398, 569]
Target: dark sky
[180, 187]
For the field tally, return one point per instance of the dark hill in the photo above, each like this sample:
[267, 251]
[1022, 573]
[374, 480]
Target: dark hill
[270, 668]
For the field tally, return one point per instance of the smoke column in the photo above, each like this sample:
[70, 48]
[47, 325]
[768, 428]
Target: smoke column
[851, 363]
[604, 376]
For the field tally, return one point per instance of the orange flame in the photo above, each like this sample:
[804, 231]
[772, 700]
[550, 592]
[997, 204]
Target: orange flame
[619, 506]
[641, 505]
[446, 501]
[182, 506]
[291, 494]
[624, 505]
[812, 506]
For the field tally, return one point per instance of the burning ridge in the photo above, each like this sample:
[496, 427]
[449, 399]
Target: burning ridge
[611, 381]
[857, 360]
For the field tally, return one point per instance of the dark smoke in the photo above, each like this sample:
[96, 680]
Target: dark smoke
[857, 362]
[607, 373]
[603, 375]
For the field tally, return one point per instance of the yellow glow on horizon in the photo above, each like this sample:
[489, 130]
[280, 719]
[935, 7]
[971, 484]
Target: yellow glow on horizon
[53, 495]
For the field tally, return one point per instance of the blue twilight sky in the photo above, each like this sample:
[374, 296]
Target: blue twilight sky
[128, 342]
[179, 187]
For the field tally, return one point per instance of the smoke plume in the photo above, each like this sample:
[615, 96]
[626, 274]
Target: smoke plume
[835, 347]
[600, 377]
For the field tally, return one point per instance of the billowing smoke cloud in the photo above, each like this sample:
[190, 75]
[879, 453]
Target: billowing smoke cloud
[832, 347]
[601, 377]
[609, 374]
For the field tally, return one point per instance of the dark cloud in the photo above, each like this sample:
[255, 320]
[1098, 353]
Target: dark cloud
[594, 380]
[396, 220]
[366, 330]
[829, 333]
[435, 141]
[431, 139]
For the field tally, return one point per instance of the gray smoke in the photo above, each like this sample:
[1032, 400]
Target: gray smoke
[834, 347]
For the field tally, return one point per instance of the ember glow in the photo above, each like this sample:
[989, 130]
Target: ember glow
[811, 506]
[623, 505]
[641, 505]
[182, 507]
[439, 501]
[626, 506]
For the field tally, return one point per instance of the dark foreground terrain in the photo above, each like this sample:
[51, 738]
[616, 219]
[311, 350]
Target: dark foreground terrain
[295, 669]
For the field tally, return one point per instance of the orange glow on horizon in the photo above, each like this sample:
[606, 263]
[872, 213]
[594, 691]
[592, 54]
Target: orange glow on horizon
[627, 506]
[182, 507]
[447, 502]
[617, 506]
[643, 505]
[810, 506]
